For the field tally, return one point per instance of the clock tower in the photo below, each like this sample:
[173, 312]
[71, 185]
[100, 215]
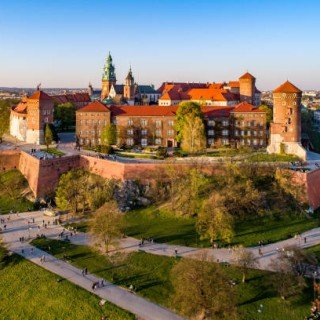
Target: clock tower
[108, 77]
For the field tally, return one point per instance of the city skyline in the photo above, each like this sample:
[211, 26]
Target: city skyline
[65, 44]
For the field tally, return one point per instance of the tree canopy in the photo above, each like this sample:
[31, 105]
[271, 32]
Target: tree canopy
[109, 135]
[65, 113]
[190, 127]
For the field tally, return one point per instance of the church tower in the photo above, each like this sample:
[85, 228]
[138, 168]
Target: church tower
[285, 130]
[129, 87]
[108, 77]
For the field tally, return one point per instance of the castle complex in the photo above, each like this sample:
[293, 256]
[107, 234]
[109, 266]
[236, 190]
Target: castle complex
[146, 117]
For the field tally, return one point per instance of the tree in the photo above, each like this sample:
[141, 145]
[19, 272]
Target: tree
[190, 127]
[5, 106]
[68, 192]
[65, 113]
[214, 222]
[109, 135]
[48, 135]
[202, 290]
[193, 135]
[289, 269]
[107, 225]
[269, 113]
[245, 260]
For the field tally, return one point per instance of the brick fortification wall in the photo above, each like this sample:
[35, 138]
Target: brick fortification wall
[43, 175]
[9, 159]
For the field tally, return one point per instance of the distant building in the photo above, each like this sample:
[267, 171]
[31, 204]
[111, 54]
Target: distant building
[28, 118]
[285, 130]
[79, 99]
[212, 94]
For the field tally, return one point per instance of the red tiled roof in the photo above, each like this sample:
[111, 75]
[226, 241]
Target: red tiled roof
[174, 95]
[234, 84]
[287, 87]
[246, 107]
[72, 97]
[211, 94]
[184, 86]
[95, 106]
[21, 107]
[216, 85]
[216, 111]
[39, 95]
[247, 75]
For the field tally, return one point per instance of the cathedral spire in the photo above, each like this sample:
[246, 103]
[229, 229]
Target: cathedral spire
[109, 70]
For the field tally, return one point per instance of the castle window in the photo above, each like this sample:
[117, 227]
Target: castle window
[210, 141]
[210, 132]
[225, 123]
[144, 122]
[248, 133]
[130, 132]
[144, 132]
[158, 141]
[130, 122]
[158, 123]
[225, 141]
[211, 123]
[129, 142]
[144, 142]
[236, 133]
[170, 132]
[170, 123]
[248, 142]
[158, 133]
[255, 142]
[261, 142]
[225, 132]
[254, 133]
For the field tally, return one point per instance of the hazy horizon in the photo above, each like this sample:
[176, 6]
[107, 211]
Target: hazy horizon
[64, 44]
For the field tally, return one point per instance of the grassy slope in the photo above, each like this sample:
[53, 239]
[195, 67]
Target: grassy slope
[30, 292]
[150, 276]
[163, 227]
[18, 203]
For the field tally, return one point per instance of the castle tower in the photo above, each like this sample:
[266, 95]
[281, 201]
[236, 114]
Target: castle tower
[285, 130]
[108, 77]
[129, 87]
[247, 88]
[40, 108]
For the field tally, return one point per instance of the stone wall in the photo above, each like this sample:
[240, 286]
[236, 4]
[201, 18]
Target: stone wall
[9, 159]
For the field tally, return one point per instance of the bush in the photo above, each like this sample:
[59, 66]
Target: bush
[180, 153]
[106, 149]
[162, 153]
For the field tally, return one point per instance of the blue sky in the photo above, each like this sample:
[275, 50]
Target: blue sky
[64, 42]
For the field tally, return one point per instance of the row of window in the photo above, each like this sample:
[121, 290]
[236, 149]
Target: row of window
[46, 112]
[225, 141]
[104, 122]
[144, 123]
[144, 132]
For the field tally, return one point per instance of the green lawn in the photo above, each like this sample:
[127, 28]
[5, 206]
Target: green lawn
[12, 185]
[150, 276]
[164, 227]
[53, 151]
[29, 292]
[265, 157]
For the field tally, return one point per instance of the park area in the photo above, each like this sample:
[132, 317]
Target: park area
[150, 276]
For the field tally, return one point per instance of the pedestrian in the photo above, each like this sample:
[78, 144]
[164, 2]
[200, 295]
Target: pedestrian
[102, 283]
[22, 251]
[5, 227]
[176, 252]
[305, 239]
[85, 271]
[32, 220]
[260, 252]
[31, 250]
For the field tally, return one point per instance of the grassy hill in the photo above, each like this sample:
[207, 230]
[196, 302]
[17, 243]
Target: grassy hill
[13, 187]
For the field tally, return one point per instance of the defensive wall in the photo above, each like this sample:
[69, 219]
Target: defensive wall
[43, 175]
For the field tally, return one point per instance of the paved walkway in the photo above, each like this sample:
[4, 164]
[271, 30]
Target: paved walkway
[18, 226]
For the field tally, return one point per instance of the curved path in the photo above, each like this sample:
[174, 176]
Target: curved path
[17, 226]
